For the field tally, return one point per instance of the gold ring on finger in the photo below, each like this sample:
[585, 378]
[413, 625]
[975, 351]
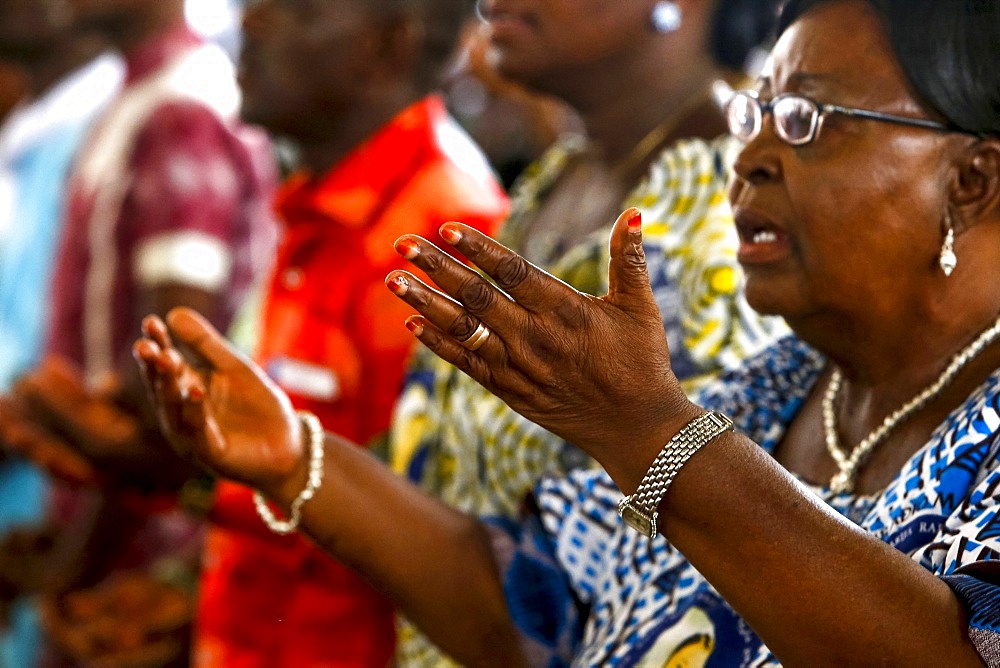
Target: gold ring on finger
[478, 338]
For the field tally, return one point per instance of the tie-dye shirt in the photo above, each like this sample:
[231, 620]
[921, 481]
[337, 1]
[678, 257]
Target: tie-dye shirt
[587, 590]
[468, 448]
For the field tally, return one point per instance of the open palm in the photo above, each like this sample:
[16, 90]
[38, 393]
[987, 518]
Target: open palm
[215, 404]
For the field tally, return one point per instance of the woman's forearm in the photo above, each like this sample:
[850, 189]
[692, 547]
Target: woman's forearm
[434, 562]
[816, 588]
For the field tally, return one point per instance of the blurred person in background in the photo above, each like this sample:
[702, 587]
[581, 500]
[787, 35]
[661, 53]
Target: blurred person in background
[67, 79]
[513, 125]
[378, 155]
[167, 204]
[642, 76]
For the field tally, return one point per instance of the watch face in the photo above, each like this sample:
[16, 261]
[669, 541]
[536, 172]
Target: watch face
[644, 524]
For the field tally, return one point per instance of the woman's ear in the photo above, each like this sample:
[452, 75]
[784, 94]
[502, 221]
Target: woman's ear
[976, 186]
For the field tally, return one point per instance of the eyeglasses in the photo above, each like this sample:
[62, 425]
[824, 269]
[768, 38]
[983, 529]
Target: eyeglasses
[798, 119]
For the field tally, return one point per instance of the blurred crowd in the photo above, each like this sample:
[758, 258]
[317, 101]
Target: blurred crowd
[256, 161]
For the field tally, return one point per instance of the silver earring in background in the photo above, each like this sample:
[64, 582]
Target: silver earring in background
[482, 14]
[666, 17]
[947, 258]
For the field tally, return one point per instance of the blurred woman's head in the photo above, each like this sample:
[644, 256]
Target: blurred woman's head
[356, 50]
[540, 43]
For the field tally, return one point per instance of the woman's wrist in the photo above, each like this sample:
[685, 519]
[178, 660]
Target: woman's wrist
[627, 466]
[314, 446]
[289, 474]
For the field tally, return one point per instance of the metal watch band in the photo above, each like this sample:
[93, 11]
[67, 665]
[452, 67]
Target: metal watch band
[639, 510]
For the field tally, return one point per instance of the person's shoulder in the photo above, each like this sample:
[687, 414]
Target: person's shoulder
[173, 116]
[205, 75]
[183, 125]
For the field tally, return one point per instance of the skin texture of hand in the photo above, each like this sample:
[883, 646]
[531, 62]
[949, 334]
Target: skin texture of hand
[125, 622]
[575, 364]
[222, 409]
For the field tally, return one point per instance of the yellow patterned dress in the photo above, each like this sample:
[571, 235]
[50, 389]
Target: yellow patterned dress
[467, 447]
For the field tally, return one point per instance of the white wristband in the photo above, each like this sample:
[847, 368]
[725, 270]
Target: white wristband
[285, 527]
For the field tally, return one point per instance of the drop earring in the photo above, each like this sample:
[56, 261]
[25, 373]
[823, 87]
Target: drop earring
[947, 258]
[666, 17]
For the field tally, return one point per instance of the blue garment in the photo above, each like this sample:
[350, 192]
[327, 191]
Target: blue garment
[37, 147]
[28, 248]
[631, 599]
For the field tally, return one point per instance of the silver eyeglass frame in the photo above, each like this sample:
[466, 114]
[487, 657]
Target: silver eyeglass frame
[820, 111]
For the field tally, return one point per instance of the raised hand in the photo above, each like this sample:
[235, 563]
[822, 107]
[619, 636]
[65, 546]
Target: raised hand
[127, 620]
[218, 406]
[22, 433]
[596, 371]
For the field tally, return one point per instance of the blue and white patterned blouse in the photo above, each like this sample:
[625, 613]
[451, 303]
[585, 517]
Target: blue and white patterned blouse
[584, 589]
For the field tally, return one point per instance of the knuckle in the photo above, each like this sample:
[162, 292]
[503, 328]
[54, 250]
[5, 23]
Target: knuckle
[571, 314]
[417, 297]
[462, 327]
[431, 262]
[511, 272]
[636, 259]
[476, 295]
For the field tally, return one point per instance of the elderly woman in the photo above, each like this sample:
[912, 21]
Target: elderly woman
[857, 529]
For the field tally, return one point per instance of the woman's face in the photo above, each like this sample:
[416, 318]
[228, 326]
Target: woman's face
[538, 41]
[851, 222]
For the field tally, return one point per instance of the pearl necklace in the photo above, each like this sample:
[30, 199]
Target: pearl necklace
[848, 463]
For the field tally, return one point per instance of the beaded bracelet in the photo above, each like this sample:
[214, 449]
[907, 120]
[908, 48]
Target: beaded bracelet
[285, 527]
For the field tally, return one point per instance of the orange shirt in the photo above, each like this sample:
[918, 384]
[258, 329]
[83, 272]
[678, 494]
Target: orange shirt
[333, 338]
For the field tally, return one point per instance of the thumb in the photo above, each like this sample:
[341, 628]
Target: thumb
[628, 279]
[192, 330]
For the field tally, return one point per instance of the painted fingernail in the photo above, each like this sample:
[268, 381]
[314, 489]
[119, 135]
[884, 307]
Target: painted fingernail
[450, 233]
[415, 326]
[195, 393]
[398, 285]
[408, 248]
[635, 221]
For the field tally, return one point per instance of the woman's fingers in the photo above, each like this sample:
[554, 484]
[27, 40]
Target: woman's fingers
[193, 331]
[156, 330]
[628, 277]
[447, 315]
[173, 386]
[460, 283]
[493, 372]
[531, 288]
